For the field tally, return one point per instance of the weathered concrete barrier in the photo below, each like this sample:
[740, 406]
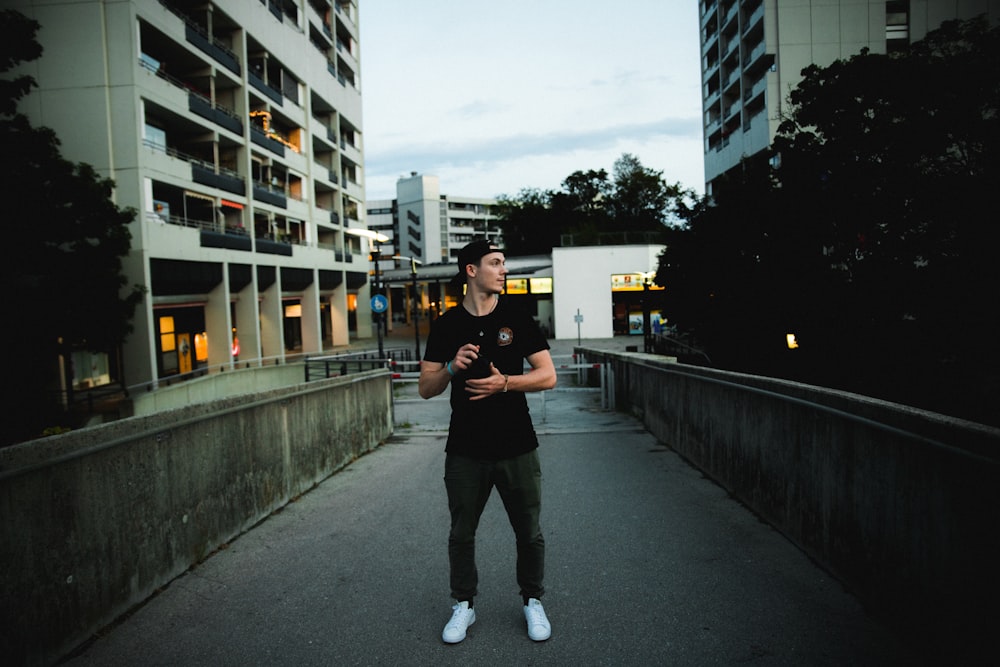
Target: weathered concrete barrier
[208, 388]
[901, 505]
[93, 522]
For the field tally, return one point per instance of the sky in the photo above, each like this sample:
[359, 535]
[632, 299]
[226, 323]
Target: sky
[496, 97]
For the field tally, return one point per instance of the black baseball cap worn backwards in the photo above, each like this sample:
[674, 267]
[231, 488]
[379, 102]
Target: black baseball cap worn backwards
[472, 253]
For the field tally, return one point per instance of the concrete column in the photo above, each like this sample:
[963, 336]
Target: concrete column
[312, 333]
[139, 351]
[366, 328]
[272, 333]
[246, 319]
[339, 328]
[219, 326]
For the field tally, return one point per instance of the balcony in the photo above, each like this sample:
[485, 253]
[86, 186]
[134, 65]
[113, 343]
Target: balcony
[263, 192]
[230, 240]
[759, 59]
[753, 19]
[219, 115]
[264, 140]
[211, 47]
[271, 247]
[203, 172]
[209, 233]
[267, 89]
[350, 151]
[222, 179]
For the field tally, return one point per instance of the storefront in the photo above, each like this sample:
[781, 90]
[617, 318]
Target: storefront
[604, 291]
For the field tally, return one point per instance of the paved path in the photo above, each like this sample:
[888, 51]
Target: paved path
[648, 563]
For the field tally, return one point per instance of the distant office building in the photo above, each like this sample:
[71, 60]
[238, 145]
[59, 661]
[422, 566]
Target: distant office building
[428, 226]
[753, 52]
[233, 127]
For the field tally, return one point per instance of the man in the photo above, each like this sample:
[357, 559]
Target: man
[479, 349]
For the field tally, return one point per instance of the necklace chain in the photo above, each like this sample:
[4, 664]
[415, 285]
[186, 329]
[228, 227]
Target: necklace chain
[496, 300]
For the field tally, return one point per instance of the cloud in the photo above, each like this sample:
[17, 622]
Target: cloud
[511, 163]
[495, 103]
[478, 108]
[499, 148]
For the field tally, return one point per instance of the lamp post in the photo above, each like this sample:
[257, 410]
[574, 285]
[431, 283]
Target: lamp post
[378, 305]
[416, 305]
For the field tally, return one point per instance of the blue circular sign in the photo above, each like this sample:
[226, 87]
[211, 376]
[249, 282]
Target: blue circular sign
[380, 304]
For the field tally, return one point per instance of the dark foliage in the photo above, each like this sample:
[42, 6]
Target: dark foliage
[872, 241]
[62, 259]
[592, 209]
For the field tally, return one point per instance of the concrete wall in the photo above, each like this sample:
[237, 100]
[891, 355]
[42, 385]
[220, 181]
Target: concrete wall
[899, 504]
[229, 383]
[93, 522]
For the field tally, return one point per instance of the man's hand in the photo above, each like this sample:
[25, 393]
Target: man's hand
[435, 376]
[494, 383]
[464, 358]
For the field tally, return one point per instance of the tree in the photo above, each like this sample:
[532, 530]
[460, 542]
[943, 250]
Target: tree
[640, 199]
[898, 179]
[591, 208]
[726, 277]
[62, 263]
[526, 222]
[872, 242]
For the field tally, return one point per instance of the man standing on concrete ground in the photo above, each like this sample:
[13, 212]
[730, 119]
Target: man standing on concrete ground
[479, 349]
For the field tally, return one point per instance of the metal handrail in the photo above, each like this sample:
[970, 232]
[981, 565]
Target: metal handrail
[335, 365]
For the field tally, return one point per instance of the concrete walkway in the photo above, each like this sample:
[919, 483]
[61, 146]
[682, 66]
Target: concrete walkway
[647, 563]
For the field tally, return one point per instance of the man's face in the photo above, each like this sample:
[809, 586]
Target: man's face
[491, 274]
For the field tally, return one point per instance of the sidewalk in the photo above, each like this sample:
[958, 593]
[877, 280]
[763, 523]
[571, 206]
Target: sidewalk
[647, 563]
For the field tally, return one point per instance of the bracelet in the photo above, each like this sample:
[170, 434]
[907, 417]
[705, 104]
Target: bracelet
[506, 381]
[448, 366]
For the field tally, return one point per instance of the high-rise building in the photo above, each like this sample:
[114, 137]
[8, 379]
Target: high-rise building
[753, 53]
[233, 128]
[422, 223]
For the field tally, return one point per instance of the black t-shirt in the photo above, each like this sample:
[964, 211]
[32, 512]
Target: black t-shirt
[499, 426]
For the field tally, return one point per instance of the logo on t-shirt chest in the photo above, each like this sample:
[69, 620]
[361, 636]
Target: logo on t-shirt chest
[505, 336]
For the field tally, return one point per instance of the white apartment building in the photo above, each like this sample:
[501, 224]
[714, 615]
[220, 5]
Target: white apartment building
[234, 128]
[753, 52]
[422, 223]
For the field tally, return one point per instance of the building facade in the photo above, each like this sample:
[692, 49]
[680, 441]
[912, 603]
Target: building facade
[753, 53]
[234, 129]
[604, 291]
[422, 223]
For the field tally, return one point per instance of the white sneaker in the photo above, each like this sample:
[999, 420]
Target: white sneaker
[462, 616]
[539, 628]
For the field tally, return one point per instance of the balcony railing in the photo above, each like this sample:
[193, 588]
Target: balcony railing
[272, 93]
[181, 221]
[261, 138]
[265, 193]
[197, 35]
[180, 155]
[198, 102]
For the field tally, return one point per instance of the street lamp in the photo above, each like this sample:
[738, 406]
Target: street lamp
[416, 309]
[378, 305]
